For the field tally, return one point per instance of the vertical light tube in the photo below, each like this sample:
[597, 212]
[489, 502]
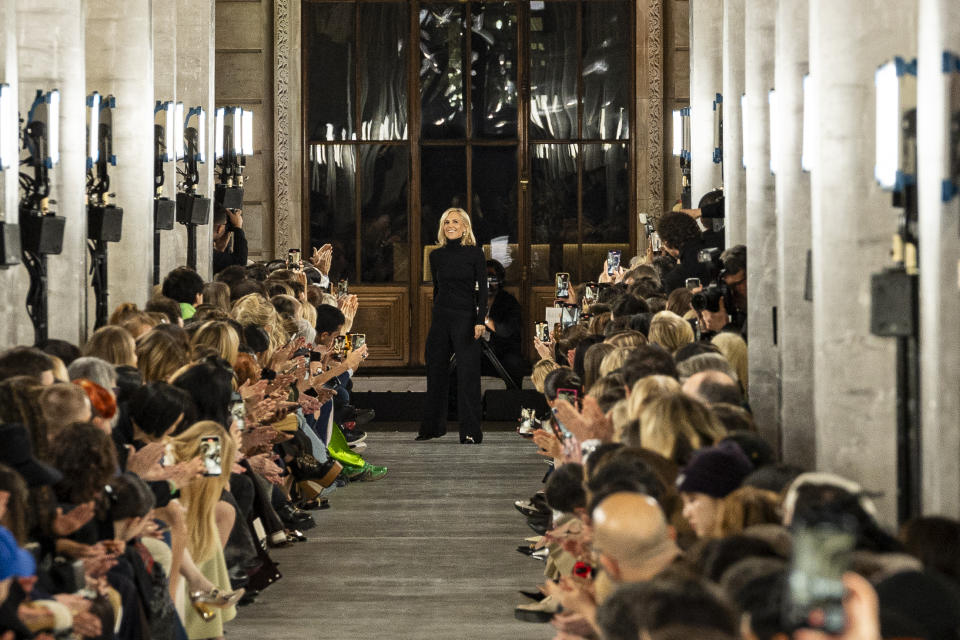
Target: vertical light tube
[93, 130]
[218, 134]
[677, 133]
[247, 127]
[179, 125]
[887, 163]
[8, 132]
[53, 128]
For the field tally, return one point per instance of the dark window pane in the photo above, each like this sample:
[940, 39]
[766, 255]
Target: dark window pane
[606, 70]
[329, 45]
[493, 74]
[384, 247]
[443, 184]
[443, 52]
[606, 199]
[553, 191]
[332, 218]
[553, 70]
[494, 212]
[383, 70]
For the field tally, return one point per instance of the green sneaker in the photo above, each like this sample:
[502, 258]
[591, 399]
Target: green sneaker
[371, 472]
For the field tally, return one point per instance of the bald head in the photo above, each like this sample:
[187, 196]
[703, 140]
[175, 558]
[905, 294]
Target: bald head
[712, 387]
[631, 531]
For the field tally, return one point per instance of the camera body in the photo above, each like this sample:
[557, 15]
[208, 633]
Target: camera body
[709, 298]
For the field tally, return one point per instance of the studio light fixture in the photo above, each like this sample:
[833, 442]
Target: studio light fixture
[93, 126]
[178, 124]
[8, 127]
[774, 136]
[950, 187]
[247, 128]
[236, 131]
[677, 133]
[896, 95]
[718, 129]
[200, 153]
[685, 119]
[218, 125]
[809, 125]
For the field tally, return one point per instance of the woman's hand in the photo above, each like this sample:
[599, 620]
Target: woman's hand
[477, 331]
[549, 446]
[66, 524]
[544, 349]
[321, 258]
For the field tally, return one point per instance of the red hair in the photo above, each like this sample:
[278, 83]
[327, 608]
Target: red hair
[101, 400]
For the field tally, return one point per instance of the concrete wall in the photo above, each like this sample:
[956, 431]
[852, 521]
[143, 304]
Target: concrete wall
[706, 81]
[853, 222]
[734, 85]
[939, 256]
[759, 49]
[50, 38]
[795, 314]
[173, 244]
[120, 62]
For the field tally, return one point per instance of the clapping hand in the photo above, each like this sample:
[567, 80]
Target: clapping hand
[585, 424]
[68, 523]
[322, 258]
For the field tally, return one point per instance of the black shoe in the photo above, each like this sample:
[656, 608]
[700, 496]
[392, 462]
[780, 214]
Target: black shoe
[306, 467]
[294, 518]
[422, 437]
[536, 596]
[354, 436]
[471, 440]
[350, 413]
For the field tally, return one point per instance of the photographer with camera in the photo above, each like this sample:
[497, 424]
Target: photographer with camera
[229, 241]
[682, 240]
[722, 306]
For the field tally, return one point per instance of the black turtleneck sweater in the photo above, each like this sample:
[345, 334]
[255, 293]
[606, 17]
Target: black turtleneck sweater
[457, 271]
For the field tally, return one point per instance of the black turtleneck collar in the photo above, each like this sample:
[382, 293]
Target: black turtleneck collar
[458, 242]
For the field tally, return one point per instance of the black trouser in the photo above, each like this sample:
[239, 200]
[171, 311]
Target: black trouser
[451, 332]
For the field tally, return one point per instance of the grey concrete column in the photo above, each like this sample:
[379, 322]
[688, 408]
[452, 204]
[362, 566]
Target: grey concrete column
[50, 36]
[761, 229]
[195, 54]
[120, 62]
[706, 81]
[173, 244]
[939, 23]
[852, 225]
[795, 315]
[734, 85]
[14, 324]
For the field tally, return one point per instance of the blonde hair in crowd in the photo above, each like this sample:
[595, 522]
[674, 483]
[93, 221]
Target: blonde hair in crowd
[200, 497]
[734, 349]
[257, 310]
[219, 336]
[468, 237]
[670, 331]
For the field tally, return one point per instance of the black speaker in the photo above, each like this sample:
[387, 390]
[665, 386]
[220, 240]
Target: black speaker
[9, 244]
[894, 302]
[104, 223]
[228, 197]
[164, 213]
[42, 233]
[192, 209]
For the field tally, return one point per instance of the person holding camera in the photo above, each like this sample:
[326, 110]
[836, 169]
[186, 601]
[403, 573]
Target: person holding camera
[732, 312]
[503, 325]
[229, 241]
[459, 273]
[681, 239]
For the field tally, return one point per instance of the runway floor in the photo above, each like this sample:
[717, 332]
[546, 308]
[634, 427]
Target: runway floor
[427, 552]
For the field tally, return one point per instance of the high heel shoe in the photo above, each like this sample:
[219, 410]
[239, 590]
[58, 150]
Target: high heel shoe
[207, 602]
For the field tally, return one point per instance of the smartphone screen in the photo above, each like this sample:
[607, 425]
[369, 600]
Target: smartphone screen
[821, 555]
[655, 242]
[590, 292]
[570, 315]
[293, 259]
[693, 283]
[343, 287]
[238, 413]
[613, 261]
[210, 451]
[543, 332]
[357, 340]
[563, 285]
[570, 395]
[339, 346]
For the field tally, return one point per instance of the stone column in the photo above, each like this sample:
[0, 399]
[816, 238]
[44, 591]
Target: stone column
[50, 37]
[173, 244]
[794, 314]
[120, 62]
[852, 225]
[14, 323]
[288, 129]
[706, 81]
[734, 85]
[939, 23]
[195, 52]
[761, 229]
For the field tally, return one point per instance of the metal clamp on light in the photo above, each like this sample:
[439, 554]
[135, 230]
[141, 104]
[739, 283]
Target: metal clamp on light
[950, 188]
[718, 129]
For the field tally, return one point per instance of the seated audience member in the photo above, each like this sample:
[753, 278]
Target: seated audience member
[648, 360]
[503, 324]
[712, 387]
[185, 287]
[711, 475]
[734, 349]
[26, 361]
[670, 331]
[63, 403]
[112, 344]
[675, 425]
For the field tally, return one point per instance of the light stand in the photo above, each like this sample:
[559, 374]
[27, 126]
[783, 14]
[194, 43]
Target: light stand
[895, 298]
[104, 220]
[41, 231]
[164, 150]
[681, 149]
[718, 130]
[9, 140]
[233, 142]
[193, 210]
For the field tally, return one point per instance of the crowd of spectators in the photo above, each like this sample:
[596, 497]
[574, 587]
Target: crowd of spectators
[667, 514]
[146, 475]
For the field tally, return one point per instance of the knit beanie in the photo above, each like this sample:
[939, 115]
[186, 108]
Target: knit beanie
[715, 471]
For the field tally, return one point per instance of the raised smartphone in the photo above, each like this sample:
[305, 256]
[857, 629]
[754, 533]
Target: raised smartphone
[563, 285]
[210, 452]
[613, 261]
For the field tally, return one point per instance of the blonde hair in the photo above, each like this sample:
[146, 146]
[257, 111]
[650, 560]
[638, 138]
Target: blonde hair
[158, 356]
[256, 310]
[670, 331]
[614, 360]
[675, 425]
[746, 507]
[200, 496]
[540, 371]
[649, 388]
[219, 336]
[113, 344]
[468, 237]
[628, 338]
[217, 294]
[734, 349]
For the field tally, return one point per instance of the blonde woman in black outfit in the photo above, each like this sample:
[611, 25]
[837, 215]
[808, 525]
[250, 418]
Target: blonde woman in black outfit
[459, 272]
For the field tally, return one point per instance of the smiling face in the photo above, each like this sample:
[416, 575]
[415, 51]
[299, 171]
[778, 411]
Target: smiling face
[453, 226]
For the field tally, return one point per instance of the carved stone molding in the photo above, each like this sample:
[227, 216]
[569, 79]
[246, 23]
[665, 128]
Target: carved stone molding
[283, 149]
[654, 74]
